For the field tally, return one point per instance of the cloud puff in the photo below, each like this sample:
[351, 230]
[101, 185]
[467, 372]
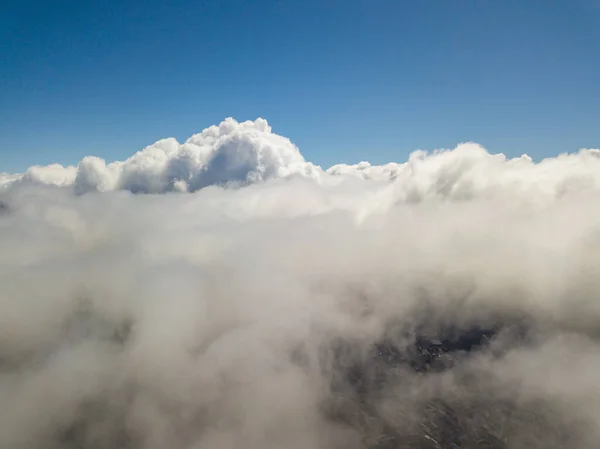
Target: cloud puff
[447, 301]
[232, 152]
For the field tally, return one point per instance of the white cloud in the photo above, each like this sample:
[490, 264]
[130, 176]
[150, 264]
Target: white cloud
[232, 152]
[237, 154]
[247, 316]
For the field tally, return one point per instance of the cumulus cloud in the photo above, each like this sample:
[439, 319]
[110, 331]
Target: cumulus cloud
[236, 154]
[449, 301]
[230, 153]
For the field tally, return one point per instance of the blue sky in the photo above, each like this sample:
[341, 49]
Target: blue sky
[345, 80]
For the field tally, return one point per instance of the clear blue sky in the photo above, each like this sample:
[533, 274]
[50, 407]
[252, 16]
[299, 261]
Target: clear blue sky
[346, 80]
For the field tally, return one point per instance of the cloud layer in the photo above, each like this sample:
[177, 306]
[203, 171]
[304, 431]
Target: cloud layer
[448, 301]
[236, 154]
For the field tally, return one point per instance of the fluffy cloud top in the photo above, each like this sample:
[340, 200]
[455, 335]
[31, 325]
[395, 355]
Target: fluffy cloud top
[231, 153]
[447, 301]
[238, 154]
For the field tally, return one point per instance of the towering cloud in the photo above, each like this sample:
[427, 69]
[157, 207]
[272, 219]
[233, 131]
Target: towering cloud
[231, 153]
[449, 301]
